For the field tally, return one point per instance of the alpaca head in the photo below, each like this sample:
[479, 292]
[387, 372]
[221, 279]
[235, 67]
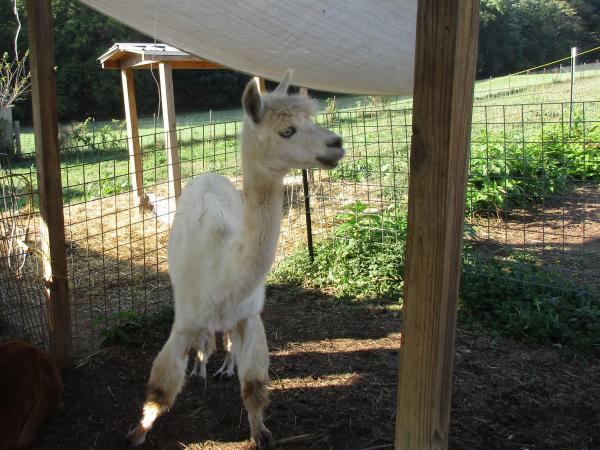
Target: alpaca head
[284, 130]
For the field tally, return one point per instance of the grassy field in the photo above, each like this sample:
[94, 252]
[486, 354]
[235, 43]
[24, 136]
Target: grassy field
[524, 88]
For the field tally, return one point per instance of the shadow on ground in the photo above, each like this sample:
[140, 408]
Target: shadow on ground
[334, 373]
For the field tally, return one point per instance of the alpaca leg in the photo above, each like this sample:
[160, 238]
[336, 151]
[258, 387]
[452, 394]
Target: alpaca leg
[252, 356]
[166, 380]
[204, 348]
[227, 369]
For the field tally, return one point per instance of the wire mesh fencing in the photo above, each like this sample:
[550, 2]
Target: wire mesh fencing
[533, 209]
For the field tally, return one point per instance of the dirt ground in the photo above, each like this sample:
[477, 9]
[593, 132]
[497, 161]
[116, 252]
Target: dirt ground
[334, 370]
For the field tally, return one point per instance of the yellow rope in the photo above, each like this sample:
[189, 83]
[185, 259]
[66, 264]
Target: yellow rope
[552, 62]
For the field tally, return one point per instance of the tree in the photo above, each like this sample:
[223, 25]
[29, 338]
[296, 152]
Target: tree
[516, 34]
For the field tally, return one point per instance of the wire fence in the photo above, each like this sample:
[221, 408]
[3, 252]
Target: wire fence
[532, 195]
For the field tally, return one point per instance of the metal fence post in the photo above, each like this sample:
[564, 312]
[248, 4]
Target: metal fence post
[305, 180]
[573, 60]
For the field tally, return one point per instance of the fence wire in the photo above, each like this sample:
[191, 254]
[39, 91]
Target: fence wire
[532, 195]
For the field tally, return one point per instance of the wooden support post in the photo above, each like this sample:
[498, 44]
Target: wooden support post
[260, 81]
[52, 227]
[17, 132]
[446, 53]
[133, 138]
[170, 126]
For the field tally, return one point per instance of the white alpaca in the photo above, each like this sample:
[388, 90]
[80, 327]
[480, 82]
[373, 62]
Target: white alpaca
[204, 347]
[222, 245]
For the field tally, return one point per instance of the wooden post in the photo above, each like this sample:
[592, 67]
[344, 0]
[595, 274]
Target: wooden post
[446, 52]
[260, 81]
[52, 227]
[17, 132]
[133, 137]
[170, 126]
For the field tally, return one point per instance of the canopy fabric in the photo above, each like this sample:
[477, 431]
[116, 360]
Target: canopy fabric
[350, 46]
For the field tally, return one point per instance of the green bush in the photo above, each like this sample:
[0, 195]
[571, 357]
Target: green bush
[507, 173]
[364, 257]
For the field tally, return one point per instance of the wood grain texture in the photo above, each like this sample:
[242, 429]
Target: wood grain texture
[133, 135]
[446, 52]
[170, 126]
[52, 227]
[139, 62]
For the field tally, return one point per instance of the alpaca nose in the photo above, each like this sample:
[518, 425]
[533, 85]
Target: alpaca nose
[335, 142]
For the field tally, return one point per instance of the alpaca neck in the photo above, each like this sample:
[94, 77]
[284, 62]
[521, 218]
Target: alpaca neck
[262, 210]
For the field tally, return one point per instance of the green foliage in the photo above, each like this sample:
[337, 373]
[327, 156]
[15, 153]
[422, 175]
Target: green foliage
[330, 105]
[109, 186]
[514, 295]
[515, 34]
[84, 89]
[128, 327]
[14, 79]
[578, 150]
[510, 294]
[378, 101]
[85, 134]
[364, 257]
[507, 172]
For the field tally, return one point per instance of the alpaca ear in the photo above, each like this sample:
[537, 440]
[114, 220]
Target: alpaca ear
[285, 83]
[252, 102]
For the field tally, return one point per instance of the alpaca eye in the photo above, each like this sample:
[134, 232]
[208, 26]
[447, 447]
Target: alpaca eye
[287, 133]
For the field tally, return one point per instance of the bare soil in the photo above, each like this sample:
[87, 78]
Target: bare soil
[334, 372]
[564, 234]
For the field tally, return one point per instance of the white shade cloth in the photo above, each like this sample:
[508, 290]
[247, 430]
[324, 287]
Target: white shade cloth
[350, 46]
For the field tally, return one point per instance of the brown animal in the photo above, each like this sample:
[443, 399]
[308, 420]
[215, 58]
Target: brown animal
[30, 388]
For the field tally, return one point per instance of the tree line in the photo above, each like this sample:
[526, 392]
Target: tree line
[514, 34]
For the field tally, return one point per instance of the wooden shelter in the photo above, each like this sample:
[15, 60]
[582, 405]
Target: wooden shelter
[127, 57]
[444, 73]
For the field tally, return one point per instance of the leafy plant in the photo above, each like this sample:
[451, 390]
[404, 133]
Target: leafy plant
[505, 173]
[514, 295]
[14, 80]
[84, 134]
[363, 258]
[129, 326]
[510, 293]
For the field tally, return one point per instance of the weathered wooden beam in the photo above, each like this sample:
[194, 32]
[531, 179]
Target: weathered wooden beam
[170, 126]
[146, 62]
[133, 136]
[52, 228]
[446, 52]
[260, 81]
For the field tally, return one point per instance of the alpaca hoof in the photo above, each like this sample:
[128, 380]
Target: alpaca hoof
[134, 438]
[197, 378]
[223, 375]
[263, 440]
